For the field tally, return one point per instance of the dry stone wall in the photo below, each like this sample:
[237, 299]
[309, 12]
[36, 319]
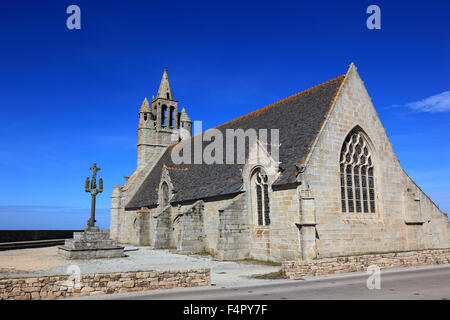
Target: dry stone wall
[299, 269]
[55, 287]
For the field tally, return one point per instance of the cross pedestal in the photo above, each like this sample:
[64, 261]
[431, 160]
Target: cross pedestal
[91, 244]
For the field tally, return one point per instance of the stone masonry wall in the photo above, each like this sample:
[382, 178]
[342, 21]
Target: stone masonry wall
[128, 233]
[234, 234]
[298, 269]
[122, 224]
[55, 287]
[279, 241]
[191, 235]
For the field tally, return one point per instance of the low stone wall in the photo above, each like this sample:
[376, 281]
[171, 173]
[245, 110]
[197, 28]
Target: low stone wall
[298, 269]
[54, 287]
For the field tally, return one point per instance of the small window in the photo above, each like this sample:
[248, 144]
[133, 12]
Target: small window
[261, 194]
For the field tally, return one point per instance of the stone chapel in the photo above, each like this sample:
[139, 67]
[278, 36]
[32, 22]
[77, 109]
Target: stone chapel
[337, 187]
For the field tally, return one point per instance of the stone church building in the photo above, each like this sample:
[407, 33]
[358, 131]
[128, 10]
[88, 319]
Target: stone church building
[336, 189]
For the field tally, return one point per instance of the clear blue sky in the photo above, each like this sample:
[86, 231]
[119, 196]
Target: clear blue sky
[71, 97]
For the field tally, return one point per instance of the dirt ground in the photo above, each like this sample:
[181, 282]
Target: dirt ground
[12, 261]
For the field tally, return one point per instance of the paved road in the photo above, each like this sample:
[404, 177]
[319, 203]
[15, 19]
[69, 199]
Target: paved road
[408, 283]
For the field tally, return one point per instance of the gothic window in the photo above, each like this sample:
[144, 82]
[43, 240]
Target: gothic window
[356, 173]
[261, 194]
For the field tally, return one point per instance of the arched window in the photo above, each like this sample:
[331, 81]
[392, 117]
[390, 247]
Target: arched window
[356, 170]
[164, 195]
[171, 117]
[261, 201]
[163, 115]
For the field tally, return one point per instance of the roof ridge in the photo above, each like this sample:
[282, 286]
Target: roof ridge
[200, 182]
[259, 110]
[280, 101]
[305, 158]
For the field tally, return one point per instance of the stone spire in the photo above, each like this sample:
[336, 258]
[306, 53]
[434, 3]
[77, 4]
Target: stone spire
[145, 107]
[165, 92]
[158, 122]
[186, 125]
[184, 116]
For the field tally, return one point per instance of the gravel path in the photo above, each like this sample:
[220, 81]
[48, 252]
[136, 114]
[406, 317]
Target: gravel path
[45, 261]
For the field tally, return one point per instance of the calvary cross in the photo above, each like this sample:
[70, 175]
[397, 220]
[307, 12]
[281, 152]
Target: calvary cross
[93, 191]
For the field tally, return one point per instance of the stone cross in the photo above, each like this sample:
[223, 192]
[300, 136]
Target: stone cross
[93, 191]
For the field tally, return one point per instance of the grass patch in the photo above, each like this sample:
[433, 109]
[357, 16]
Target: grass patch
[260, 262]
[203, 253]
[268, 276]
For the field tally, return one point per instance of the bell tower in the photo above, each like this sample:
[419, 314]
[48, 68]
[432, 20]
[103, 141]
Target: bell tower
[165, 108]
[159, 124]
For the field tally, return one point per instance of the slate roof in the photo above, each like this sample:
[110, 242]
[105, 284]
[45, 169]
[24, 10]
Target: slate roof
[299, 119]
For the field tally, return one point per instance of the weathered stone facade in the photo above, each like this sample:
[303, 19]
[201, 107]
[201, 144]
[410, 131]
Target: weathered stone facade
[298, 269]
[405, 219]
[306, 216]
[55, 287]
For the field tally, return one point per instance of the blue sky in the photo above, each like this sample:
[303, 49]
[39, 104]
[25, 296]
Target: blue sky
[71, 97]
